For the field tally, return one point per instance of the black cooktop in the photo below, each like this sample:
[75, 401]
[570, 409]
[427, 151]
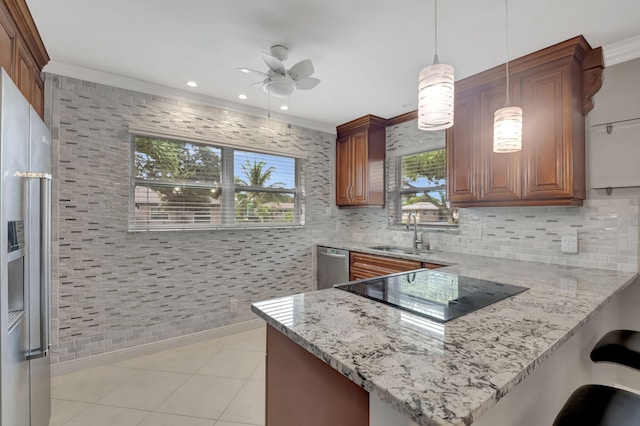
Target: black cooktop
[435, 295]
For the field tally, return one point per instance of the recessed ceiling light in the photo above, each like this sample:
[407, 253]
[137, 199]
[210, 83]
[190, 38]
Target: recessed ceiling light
[284, 107]
[192, 84]
[244, 70]
[242, 96]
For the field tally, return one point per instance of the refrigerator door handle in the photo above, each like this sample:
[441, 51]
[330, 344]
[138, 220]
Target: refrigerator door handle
[45, 259]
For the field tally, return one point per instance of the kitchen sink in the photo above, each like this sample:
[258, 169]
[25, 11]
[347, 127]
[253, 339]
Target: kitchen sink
[405, 250]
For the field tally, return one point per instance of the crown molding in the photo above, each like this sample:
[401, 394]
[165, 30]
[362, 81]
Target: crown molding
[115, 80]
[622, 51]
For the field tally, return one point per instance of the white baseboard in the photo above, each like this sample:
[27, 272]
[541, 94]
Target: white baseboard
[151, 348]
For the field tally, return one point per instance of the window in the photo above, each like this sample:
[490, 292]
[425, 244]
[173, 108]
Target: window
[421, 183]
[188, 185]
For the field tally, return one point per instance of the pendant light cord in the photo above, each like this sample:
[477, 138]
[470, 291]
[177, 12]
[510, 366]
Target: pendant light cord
[436, 60]
[506, 25]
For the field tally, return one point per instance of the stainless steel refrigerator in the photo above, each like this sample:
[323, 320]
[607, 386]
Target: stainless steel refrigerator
[25, 242]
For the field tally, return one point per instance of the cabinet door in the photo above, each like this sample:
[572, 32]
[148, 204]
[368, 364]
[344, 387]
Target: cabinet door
[343, 171]
[361, 274]
[37, 93]
[547, 133]
[360, 168]
[23, 77]
[7, 34]
[461, 147]
[501, 180]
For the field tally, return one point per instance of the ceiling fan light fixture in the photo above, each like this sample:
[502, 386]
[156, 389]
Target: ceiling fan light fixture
[279, 87]
[435, 91]
[507, 129]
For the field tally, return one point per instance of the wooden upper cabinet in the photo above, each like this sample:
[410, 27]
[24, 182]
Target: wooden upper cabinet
[555, 156]
[501, 177]
[343, 170]
[360, 156]
[7, 35]
[550, 169]
[463, 171]
[22, 52]
[23, 77]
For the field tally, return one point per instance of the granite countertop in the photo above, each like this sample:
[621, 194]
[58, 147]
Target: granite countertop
[451, 373]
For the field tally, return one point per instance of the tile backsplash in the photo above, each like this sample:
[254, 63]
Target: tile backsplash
[113, 289]
[607, 233]
[607, 229]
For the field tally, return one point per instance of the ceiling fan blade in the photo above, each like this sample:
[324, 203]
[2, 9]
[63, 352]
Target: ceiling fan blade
[273, 63]
[250, 71]
[301, 70]
[257, 82]
[307, 83]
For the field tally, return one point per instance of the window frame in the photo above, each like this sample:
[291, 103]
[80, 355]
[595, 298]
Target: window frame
[226, 186]
[400, 191]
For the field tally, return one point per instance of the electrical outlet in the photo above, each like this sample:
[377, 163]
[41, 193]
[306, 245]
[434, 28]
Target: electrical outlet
[569, 244]
[233, 305]
[327, 212]
[475, 231]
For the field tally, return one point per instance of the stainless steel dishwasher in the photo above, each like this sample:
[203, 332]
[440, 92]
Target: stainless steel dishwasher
[333, 267]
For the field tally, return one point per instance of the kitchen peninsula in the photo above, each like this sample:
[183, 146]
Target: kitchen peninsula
[462, 371]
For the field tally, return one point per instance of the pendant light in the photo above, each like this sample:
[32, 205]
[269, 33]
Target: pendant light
[507, 121]
[435, 92]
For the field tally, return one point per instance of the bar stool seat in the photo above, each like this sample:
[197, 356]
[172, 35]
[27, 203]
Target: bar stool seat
[598, 405]
[620, 347]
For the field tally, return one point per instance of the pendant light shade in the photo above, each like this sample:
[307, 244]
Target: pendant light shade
[507, 129]
[507, 121]
[435, 92]
[435, 97]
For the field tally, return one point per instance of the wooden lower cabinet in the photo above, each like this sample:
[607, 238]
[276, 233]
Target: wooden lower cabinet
[302, 390]
[429, 265]
[363, 265]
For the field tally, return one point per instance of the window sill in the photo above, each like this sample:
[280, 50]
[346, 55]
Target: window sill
[429, 227]
[217, 228]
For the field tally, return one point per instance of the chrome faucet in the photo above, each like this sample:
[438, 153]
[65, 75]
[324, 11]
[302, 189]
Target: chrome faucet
[417, 243]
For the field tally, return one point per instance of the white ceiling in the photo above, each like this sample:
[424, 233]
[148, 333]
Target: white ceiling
[367, 53]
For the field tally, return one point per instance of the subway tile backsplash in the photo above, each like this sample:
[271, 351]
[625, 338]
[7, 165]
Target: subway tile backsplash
[607, 229]
[607, 233]
[113, 289]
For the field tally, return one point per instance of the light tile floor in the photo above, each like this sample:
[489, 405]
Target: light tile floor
[218, 382]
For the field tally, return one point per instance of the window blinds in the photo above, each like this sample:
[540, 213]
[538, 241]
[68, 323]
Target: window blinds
[188, 185]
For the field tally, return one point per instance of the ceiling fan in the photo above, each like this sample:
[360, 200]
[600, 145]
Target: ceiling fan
[280, 82]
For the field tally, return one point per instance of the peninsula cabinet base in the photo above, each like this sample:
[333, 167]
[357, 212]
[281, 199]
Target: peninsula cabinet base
[302, 390]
